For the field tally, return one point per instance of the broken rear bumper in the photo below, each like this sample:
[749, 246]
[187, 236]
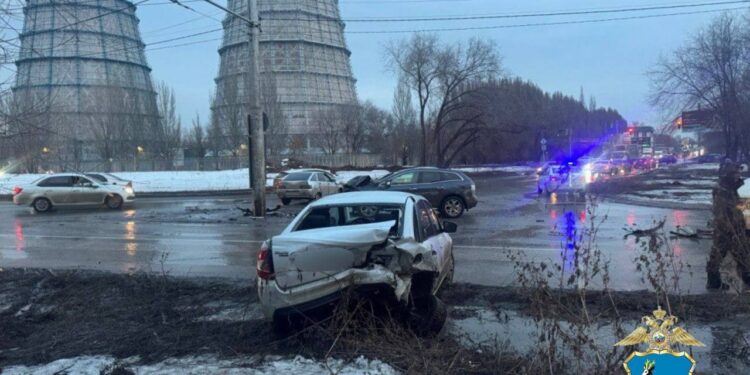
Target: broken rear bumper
[277, 302]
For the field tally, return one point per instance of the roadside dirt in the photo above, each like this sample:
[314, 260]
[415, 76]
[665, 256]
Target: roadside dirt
[46, 316]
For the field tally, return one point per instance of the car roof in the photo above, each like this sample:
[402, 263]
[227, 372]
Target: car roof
[363, 197]
[305, 170]
[64, 175]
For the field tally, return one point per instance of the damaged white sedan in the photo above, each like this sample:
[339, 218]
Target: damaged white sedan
[389, 243]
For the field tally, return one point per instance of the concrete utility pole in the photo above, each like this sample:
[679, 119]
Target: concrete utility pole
[255, 119]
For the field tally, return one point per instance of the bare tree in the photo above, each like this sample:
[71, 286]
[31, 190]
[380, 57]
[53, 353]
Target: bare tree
[196, 142]
[415, 60]
[377, 126]
[353, 127]
[166, 138]
[277, 137]
[231, 116]
[215, 140]
[711, 72]
[403, 139]
[328, 126]
[443, 77]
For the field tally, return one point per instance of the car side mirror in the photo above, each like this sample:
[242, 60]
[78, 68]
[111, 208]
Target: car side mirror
[385, 184]
[449, 227]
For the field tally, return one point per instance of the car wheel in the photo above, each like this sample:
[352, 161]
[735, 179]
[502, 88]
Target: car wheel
[285, 201]
[282, 326]
[113, 202]
[42, 205]
[429, 319]
[318, 196]
[452, 207]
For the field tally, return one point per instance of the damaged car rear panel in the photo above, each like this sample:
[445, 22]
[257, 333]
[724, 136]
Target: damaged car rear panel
[352, 240]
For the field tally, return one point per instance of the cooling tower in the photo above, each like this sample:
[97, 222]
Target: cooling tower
[302, 54]
[82, 76]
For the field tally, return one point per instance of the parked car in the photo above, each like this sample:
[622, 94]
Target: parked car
[452, 192]
[390, 243]
[568, 177]
[108, 178]
[307, 185]
[668, 159]
[709, 158]
[644, 164]
[71, 189]
[280, 176]
[603, 168]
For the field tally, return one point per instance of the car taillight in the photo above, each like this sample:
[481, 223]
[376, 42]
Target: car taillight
[264, 265]
[17, 190]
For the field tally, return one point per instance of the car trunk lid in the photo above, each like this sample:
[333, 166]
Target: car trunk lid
[310, 255]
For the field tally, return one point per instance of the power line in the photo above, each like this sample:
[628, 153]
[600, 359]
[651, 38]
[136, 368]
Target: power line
[544, 23]
[545, 14]
[129, 6]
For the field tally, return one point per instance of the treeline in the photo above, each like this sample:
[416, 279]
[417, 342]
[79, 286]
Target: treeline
[465, 110]
[520, 115]
[711, 73]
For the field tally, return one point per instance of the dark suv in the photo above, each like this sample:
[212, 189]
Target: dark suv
[451, 191]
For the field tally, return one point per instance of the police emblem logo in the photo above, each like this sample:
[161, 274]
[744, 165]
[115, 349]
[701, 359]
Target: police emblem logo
[659, 333]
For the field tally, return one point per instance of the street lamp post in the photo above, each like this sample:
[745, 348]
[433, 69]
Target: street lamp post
[138, 150]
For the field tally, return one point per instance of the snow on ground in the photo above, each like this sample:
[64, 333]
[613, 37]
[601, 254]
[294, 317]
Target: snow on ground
[149, 182]
[237, 179]
[272, 365]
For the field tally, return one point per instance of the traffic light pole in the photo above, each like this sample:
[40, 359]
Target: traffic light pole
[257, 163]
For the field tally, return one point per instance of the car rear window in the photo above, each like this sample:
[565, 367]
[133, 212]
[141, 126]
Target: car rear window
[430, 177]
[297, 177]
[449, 176]
[341, 215]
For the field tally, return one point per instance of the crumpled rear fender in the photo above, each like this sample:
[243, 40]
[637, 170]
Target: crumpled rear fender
[416, 256]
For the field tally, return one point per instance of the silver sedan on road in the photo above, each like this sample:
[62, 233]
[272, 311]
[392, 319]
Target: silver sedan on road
[71, 189]
[307, 185]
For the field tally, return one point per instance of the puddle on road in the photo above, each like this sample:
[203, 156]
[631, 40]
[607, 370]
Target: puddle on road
[727, 342]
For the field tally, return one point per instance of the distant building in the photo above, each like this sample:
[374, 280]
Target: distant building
[303, 59]
[82, 75]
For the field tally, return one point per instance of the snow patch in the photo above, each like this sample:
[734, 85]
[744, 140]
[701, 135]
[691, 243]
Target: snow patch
[271, 365]
[86, 365]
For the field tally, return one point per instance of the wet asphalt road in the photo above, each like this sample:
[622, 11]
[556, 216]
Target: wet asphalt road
[208, 236]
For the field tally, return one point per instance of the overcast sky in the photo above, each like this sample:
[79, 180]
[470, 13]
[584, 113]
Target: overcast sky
[608, 59]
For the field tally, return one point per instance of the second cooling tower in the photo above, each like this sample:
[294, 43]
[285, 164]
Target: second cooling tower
[303, 52]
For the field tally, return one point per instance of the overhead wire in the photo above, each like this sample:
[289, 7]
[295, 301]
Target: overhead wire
[539, 24]
[543, 14]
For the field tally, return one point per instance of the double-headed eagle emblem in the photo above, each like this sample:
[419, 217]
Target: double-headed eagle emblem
[659, 333]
